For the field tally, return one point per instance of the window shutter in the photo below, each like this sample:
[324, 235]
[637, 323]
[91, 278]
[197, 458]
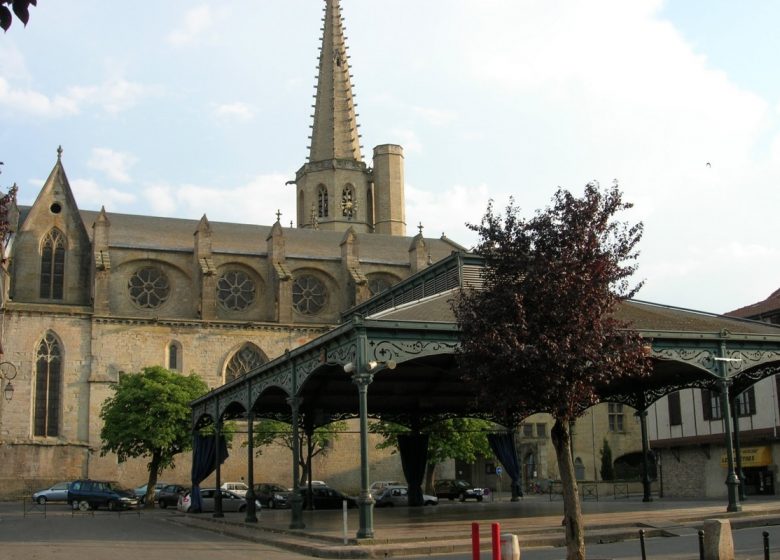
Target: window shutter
[675, 412]
[706, 406]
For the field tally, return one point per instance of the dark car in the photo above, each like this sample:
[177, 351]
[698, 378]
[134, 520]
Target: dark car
[140, 491]
[272, 495]
[460, 489]
[230, 501]
[169, 495]
[325, 497]
[92, 494]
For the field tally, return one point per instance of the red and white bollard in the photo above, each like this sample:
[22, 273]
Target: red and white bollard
[504, 546]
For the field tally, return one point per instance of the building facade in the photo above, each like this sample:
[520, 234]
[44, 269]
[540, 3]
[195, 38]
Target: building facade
[87, 295]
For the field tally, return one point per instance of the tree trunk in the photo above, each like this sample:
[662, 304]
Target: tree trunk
[154, 467]
[430, 469]
[572, 512]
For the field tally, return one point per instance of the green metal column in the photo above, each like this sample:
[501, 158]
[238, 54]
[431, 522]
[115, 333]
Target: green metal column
[251, 508]
[732, 481]
[738, 447]
[296, 502]
[646, 484]
[218, 459]
[365, 500]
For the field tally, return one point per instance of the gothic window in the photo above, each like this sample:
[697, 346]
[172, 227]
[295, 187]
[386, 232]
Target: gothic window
[616, 417]
[378, 283]
[174, 356]
[245, 360]
[149, 287]
[48, 379]
[235, 290]
[322, 202]
[348, 203]
[309, 294]
[53, 265]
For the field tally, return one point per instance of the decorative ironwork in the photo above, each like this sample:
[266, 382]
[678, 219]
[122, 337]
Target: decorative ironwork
[384, 350]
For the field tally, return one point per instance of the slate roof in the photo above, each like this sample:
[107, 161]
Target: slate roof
[176, 234]
[769, 306]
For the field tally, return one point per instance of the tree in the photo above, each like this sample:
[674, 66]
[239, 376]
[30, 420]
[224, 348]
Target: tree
[541, 336]
[149, 415]
[269, 432]
[462, 439]
[20, 7]
[607, 469]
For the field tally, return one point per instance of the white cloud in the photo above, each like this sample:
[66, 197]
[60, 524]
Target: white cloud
[113, 97]
[196, 22]
[255, 202]
[408, 138]
[436, 117]
[91, 195]
[114, 164]
[446, 212]
[236, 111]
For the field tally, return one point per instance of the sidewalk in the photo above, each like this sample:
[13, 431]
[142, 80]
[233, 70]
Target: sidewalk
[447, 528]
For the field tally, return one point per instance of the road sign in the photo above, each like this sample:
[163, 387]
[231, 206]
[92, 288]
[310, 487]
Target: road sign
[499, 470]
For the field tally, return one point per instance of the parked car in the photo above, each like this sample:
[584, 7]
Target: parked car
[92, 494]
[56, 493]
[272, 495]
[377, 487]
[169, 495]
[460, 489]
[140, 491]
[325, 497]
[238, 487]
[230, 501]
[399, 496]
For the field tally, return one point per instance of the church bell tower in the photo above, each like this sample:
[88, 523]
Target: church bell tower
[335, 189]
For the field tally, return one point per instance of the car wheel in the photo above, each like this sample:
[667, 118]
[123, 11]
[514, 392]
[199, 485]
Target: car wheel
[113, 506]
[462, 497]
[479, 498]
[41, 500]
[242, 509]
[83, 505]
[163, 504]
[272, 504]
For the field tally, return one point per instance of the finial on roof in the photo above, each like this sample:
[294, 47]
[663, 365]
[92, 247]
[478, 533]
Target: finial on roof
[420, 228]
[59, 152]
[278, 215]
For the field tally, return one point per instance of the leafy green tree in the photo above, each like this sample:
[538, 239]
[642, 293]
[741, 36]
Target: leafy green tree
[542, 336]
[21, 8]
[149, 415]
[607, 469]
[462, 439]
[273, 432]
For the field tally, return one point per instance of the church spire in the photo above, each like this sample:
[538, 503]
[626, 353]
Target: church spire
[335, 128]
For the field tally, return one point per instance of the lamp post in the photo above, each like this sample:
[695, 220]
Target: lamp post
[8, 372]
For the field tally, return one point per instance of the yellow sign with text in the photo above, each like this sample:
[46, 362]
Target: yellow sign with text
[752, 457]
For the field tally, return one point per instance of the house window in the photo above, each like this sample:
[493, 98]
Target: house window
[245, 360]
[528, 430]
[745, 402]
[322, 202]
[52, 265]
[541, 430]
[616, 417]
[675, 411]
[710, 404]
[48, 378]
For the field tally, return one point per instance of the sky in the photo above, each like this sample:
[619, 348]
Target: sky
[184, 108]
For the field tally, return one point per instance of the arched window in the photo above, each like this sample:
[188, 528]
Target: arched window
[52, 265]
[174, 356]
[245, 360]
[322, 202]
[348, 202]
[309, 294]
[48, 379]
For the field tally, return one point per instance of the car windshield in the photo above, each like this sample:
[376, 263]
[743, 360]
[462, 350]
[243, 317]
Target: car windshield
[462, 484]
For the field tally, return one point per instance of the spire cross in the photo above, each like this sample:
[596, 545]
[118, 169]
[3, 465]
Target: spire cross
[420, 227]
[278, 215]
[59, 153]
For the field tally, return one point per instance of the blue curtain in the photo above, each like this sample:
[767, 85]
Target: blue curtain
[204, 455]
[503, 445]
[414, 457]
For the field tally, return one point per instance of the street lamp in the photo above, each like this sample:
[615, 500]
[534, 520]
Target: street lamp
[8, 372]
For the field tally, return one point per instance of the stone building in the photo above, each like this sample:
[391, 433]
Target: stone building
[86, 295]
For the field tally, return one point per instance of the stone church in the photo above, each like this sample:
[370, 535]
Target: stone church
[86, 295]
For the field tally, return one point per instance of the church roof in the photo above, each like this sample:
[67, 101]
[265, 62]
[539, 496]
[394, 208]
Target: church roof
[131, 231]
[335, 129]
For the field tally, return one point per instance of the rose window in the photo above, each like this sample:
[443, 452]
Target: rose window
[149, 287]
[309, 295]
[235, 290]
